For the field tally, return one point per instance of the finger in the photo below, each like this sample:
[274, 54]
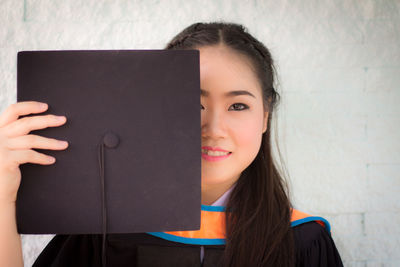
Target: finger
[30, 156]
[35, 141]
[13, 111]
[27, 124]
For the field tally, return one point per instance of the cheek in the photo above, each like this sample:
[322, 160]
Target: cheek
[248, 137]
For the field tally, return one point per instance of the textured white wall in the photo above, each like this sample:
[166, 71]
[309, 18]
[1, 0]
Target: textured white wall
[339, 67]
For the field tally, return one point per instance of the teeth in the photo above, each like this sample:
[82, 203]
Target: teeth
[214, 153]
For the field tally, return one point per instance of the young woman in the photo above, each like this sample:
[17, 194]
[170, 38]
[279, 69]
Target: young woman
[241, 184]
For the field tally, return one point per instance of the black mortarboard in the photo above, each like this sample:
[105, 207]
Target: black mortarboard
[133, 119]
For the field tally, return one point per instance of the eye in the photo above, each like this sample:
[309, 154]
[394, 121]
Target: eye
[244, 106]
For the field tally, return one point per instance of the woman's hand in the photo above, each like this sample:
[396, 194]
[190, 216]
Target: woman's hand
[16, 143]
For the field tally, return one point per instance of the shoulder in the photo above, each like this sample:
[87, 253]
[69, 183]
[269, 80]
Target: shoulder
[315, 246]
[307, 233]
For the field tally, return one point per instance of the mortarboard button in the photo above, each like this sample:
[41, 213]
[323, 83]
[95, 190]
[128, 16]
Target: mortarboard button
[111, 140]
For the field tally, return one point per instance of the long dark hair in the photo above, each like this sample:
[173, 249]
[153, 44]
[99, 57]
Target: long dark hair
[258, 231]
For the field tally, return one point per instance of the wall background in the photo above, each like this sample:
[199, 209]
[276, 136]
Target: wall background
[339, 67]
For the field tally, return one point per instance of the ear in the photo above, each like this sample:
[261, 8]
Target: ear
[266, 113]
[265, 121]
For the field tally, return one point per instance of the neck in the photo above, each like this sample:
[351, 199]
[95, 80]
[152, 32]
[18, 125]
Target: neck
[210, 193]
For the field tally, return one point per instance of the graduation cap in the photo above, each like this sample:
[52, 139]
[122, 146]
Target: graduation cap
[133, 163]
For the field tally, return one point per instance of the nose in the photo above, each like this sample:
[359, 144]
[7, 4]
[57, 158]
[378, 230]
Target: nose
[212, 124]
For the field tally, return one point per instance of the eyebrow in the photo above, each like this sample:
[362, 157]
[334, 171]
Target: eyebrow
[228, 94]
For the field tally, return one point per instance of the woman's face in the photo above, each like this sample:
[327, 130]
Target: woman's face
[232, 115]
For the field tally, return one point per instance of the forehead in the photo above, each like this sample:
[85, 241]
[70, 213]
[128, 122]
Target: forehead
[222, 70]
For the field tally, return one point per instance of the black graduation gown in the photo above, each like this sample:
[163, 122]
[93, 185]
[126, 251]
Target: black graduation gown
[314, 247]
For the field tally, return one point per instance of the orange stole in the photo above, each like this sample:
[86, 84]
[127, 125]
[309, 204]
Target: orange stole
[212, 227]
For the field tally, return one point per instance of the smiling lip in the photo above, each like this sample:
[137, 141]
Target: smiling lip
[214, 158]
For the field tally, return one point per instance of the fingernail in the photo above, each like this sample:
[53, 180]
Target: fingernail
[43, 105]
[60, 118]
